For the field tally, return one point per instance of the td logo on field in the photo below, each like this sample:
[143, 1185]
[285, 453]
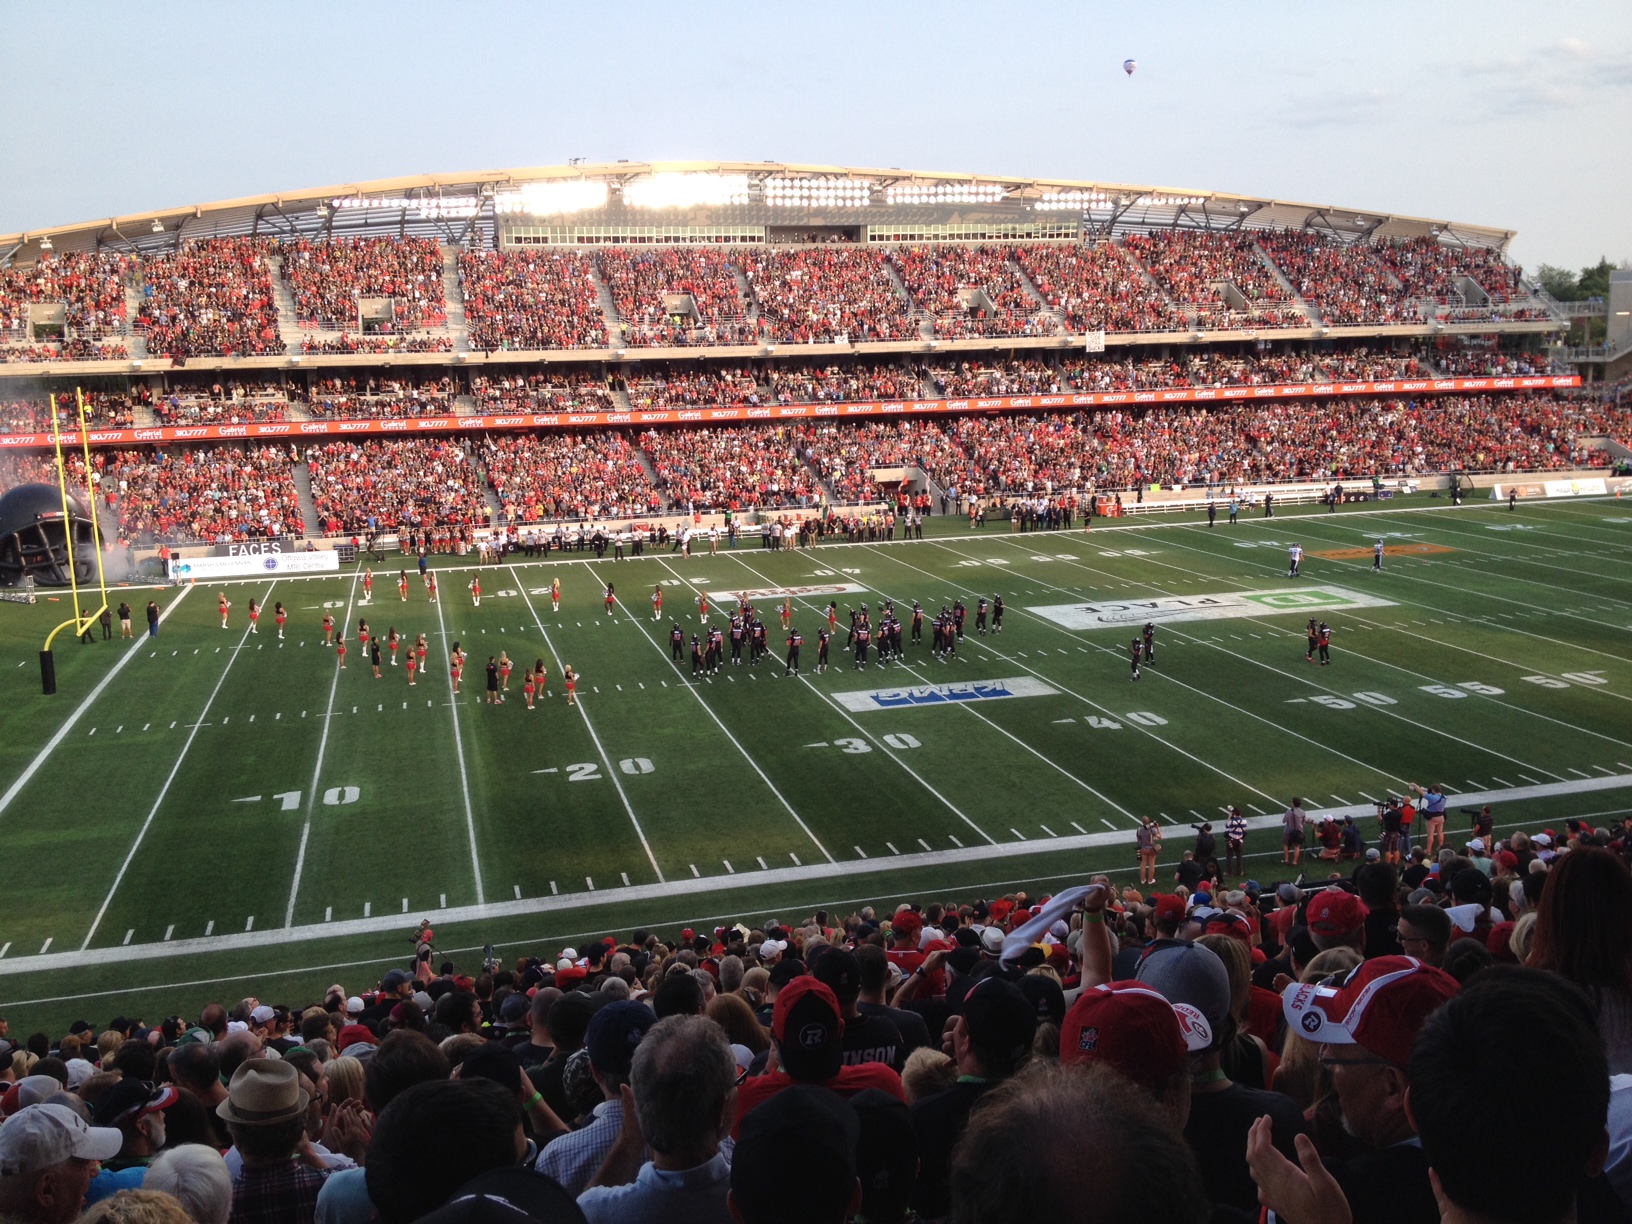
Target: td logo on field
[1300, 599]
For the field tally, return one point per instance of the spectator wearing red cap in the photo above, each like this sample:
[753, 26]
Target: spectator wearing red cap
[1365, 1028]
[1337, 919]
[807, 1043]
[1135, 1030]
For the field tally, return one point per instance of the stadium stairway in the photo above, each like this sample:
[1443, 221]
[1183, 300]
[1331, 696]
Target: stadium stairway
[750, 304]
[1138, 265]
[455, 299]
[925, 320]
[284, 299]
[465, 405]
[609, 310]
[1053, 314]
[1281, 278]
[135, 341]
[302, 474]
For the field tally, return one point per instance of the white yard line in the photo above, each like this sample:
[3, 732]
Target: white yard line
[459, 753]
[164, 790]
[279, 936]
[1359, 619]
[317, 769]
[969, 708]
[724, 730]
[62, 731]
[583, 713]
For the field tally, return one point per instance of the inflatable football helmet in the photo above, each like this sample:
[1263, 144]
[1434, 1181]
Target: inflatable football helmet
[36, 542]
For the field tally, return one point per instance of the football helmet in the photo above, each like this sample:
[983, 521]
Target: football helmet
[34, 541]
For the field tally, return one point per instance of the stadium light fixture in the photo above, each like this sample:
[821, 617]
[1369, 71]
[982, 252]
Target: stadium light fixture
[783, 192]
[944, 193]
[552, 198]
[158, 226]
[674, 189]
[45, 243]
[1069, 200]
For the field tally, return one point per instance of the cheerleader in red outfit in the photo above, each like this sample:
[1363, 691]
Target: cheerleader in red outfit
[393, 641]
[254, 617]
[527, 689]
[279, 615]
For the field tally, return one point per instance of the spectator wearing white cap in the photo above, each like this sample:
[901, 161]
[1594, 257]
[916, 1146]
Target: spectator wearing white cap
[1365, 1028]
[48, 1156]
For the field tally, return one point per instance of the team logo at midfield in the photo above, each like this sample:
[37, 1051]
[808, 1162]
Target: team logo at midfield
[1118, 614]
[943, 694]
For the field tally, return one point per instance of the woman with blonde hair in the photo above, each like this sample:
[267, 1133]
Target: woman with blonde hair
[1300, 1075]
[345, 1076]
[106, 1043]
[136, 1207]
[753, 985]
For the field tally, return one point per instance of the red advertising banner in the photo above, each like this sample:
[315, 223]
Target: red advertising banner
[785, 412]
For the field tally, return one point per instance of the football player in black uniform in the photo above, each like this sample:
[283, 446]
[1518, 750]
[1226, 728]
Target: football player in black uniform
[677, 642]
[795, 640]
[823, 637]
[1136, 649]
[997, 614]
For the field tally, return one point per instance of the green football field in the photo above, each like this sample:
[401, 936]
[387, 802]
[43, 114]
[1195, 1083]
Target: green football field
[209, 812]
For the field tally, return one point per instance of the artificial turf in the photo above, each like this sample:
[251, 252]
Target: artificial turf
[1491, 655]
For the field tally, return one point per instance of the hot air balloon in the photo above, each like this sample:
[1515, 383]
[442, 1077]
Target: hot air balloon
[1129, 65]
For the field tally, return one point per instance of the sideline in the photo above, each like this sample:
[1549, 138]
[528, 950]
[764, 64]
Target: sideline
[278, 936]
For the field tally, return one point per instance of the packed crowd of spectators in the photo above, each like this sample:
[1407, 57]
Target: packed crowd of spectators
[1342, 439]
[330, 278]
[64, 350]
[992, 376]
[89, 284]
[818, 293]
[213, 494]
[1098, 288]
[845, 454]
[1493, 363]
[548, 390]
[217, 403]
[376, 398]
[395, 484]
[679, 387]
[212, 297]
[567, 475]
[642, 278]
[1428, 268]
[373, 343]
[1349, 283]
[740, 468]
[103, 409]
[1314, 1049]
[527, 298]
[842, 382]
[1190, 264]
[1214, 369]
[940, 275]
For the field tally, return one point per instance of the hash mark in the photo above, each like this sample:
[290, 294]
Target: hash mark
[893, 850]
[762, 865]
[209, 928]
[128, 934]
[250, 925]
[1079, 828]
[955, 841]
[862, 853]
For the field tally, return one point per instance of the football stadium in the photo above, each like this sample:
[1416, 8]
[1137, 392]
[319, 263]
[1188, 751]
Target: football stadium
[860, 538]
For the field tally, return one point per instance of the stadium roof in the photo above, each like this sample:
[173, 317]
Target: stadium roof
[451, 206]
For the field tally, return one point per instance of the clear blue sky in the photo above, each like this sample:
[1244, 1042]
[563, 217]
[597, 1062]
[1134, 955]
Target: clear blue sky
[1493, 112]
